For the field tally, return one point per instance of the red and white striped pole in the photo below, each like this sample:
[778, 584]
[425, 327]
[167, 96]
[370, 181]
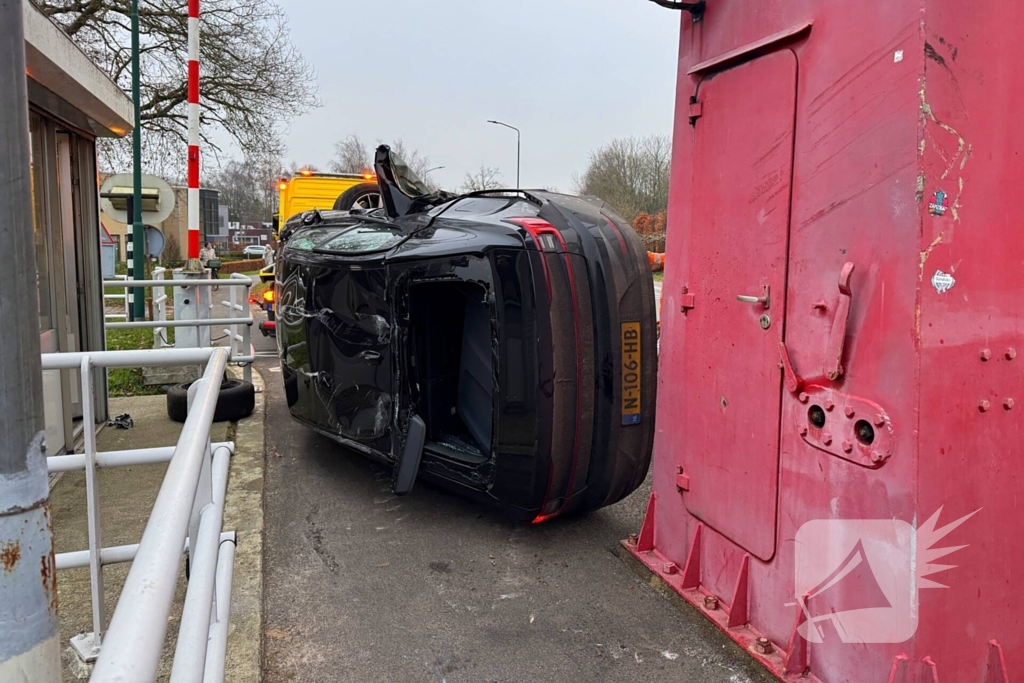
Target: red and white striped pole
[193, 136]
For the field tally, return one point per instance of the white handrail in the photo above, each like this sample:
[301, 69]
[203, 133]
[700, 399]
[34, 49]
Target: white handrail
[194, 486]
[240, 340]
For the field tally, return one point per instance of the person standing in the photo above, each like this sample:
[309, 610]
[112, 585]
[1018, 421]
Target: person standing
[206, 254]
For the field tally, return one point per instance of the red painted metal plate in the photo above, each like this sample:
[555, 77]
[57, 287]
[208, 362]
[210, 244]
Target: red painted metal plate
[743, 160]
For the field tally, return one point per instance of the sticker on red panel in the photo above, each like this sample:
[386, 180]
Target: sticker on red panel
[939, 204]
[942, 282]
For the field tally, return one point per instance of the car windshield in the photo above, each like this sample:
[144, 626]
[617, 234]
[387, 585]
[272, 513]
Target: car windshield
[363, 239]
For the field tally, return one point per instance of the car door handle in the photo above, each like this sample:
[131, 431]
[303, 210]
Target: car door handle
[370, 356]
[765, 299]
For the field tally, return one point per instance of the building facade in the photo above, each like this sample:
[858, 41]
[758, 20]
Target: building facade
[175, 226]
[71, 104]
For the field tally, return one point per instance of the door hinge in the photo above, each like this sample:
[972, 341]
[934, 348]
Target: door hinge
[688, 301]
[696, 110]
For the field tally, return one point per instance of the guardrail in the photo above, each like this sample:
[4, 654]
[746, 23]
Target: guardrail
[160, 311]
[117, 297]
[186, 517]
[238, 321]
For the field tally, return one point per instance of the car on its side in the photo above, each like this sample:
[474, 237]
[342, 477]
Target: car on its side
[254, 251]
[499, 343]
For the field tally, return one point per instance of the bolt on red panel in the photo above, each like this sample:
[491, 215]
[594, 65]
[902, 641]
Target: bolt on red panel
[837, 476]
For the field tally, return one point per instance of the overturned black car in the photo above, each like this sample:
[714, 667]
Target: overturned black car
[500, 343]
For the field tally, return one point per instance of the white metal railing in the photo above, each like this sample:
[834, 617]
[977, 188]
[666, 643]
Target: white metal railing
[187, 516]
[160, 310]
[239, 319]
[122, 297]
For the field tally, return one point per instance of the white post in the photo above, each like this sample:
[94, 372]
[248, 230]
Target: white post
[87, 645]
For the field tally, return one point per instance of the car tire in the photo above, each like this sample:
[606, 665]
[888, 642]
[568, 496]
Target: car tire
[237, 400]
[352, 195]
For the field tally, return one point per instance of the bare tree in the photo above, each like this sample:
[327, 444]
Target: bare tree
[486, 178]
[630, 174]
[253, 77]
[248, 187]
[350, 156]
[172, 250]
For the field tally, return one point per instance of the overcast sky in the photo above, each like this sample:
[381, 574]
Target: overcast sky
[571, 74]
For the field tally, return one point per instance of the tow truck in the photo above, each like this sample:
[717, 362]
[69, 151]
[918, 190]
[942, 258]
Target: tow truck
[311, 190]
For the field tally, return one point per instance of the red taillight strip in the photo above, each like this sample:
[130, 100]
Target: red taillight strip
[537, 227]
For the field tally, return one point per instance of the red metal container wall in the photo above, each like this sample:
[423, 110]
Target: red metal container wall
[899, 106]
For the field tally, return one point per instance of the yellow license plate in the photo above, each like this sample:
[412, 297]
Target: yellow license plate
[631, 383]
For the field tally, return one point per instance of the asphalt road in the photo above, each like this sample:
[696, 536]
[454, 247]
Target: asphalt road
[361, 586]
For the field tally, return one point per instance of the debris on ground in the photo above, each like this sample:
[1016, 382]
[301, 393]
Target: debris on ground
[123, 421]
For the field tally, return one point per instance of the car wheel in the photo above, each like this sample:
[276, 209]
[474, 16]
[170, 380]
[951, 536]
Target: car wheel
[363, 196]
[236, 401]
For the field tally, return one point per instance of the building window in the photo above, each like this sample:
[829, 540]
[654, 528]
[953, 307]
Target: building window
[40, 228]
[209, 214]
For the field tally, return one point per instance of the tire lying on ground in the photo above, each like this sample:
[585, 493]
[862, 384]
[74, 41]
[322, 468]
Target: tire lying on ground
[352, 195]
[236, 401]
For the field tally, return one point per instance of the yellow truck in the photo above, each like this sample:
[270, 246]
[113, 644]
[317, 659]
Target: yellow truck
[308, 190]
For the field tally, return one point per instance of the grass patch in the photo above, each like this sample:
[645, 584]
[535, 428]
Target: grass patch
[659, 277]
[128, 381]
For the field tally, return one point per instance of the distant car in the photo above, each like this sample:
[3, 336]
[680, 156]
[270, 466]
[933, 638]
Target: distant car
[499, 343]
[254, 251]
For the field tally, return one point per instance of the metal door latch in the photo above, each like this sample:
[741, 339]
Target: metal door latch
[834, 354]
[765, 299]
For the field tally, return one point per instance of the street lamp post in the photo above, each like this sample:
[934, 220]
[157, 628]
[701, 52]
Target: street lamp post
[519, 146]
[137, 266]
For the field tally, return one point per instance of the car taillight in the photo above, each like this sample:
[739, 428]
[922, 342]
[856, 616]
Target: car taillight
[268, 296]
[545, 236]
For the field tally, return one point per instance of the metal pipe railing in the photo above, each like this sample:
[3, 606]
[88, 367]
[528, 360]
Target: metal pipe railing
[160, 310]
[139, 456]
[190, 653]
[240, 340]
[216, 654]
[117, 554]
[233, 281]
[123, 297]
[129, 359]
[155, 324]
[137, 629]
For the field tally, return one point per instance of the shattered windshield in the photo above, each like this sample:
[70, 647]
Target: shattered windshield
[308, 239]
[363, 239]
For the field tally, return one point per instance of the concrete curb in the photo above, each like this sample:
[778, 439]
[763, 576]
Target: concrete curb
[244, 514]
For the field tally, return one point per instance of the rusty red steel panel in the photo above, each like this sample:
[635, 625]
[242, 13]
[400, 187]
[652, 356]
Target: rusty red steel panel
[841, 337]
